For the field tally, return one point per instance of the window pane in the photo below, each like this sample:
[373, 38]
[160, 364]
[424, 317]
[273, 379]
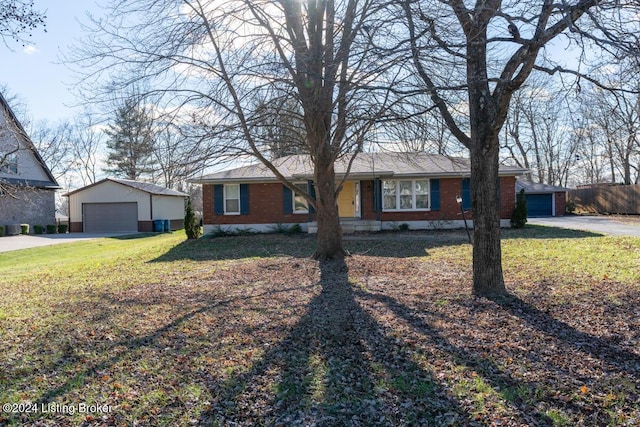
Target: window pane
[232, 205]
[406, 201]
[299, 204]
[422, 201]
[232, 191]
[422, 187]
[389, 202]
[389, 195]
[405, 187]
[389, 188]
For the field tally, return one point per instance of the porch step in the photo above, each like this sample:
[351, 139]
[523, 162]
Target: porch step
[351, 226]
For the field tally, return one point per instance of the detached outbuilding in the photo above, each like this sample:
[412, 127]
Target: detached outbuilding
[120, 205]
[543, 199]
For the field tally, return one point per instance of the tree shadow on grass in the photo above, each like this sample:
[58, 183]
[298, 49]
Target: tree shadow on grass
[385, 244]
[490, 372]
[295, 246]
[336, 367]
[530, 231]
[608, 351]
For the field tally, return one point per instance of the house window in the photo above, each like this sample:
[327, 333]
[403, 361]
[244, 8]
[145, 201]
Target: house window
[300, 204]
[232, 199]
[405, 195]
[9, 163]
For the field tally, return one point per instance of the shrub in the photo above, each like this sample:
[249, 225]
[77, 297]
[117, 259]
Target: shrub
[403, 227]
[62, 228]
[286, 229]
[571, 207]
[24, 228]
[38, 229]
[52, 229]
[295, 229]
[191, 223]
[1, 230]
[519, 215]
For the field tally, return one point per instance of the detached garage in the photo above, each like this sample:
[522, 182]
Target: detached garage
[542, 199]
[122, 205]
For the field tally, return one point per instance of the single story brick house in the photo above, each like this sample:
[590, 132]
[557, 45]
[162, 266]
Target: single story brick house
[122, 205]
[543, 199]
[382, 191]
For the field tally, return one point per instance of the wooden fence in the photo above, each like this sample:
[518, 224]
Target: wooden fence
[614, 199]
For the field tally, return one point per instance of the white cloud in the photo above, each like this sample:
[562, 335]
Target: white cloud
[30, 50]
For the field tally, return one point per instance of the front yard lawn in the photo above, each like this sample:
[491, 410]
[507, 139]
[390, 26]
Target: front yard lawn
[156, 330]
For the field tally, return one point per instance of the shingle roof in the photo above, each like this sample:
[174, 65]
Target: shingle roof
[537, 188]
[143, 186]
[365, 166]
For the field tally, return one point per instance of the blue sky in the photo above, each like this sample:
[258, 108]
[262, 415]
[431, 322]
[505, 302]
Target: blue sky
[34, 73]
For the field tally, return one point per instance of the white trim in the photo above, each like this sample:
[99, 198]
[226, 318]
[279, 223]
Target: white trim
[413, 195]
[293, 200]
[224, 200]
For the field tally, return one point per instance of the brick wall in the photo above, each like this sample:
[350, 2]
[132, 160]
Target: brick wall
[266, 205]
[28, 206]
[561, 203]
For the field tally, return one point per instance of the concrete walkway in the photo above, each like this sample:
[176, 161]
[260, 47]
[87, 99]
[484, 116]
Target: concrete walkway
[13, 243]
[596, 224]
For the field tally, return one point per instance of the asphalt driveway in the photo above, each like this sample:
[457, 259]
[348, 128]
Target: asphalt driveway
[596, 224]
[13, 243]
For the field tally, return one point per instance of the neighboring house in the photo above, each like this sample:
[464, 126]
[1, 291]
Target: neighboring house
[119, 205]
[27, 187]
[382, 191]
[543, 199]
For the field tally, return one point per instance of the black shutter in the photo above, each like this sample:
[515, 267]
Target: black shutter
[244, 199]
[287, 200]
[218, 199]
[435, 194]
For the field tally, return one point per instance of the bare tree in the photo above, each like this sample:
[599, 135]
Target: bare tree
[54, 143]
[19, 18]
[87, 138]
[219, 60]
[617, 114]
[279, 125]
[483, 52]
[539, 132]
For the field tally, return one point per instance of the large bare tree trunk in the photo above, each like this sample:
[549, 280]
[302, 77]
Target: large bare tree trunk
[329, 237]
[485, 190]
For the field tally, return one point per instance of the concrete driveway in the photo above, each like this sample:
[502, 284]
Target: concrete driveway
[13, 243]
[596, 224]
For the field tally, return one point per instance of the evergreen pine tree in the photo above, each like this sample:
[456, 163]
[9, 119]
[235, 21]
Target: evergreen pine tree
[191, 225]
[519, 215]
[131, 142]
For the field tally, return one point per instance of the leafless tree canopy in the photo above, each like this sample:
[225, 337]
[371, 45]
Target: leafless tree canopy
[336, 70]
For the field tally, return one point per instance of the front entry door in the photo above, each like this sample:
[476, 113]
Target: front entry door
[346, 200]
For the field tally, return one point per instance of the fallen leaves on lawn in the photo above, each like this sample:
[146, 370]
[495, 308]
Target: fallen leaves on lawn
[375, 341]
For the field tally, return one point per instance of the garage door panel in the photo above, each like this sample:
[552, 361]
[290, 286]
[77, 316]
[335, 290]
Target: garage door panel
[110, 217]
[539, 204]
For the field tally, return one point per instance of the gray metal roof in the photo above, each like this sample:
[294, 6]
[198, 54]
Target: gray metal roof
[538, 188]
[365, 166]
[142, 186]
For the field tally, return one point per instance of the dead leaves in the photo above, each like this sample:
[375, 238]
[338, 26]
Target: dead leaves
[384, 342]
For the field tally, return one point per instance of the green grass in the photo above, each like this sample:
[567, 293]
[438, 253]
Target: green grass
[249, 330]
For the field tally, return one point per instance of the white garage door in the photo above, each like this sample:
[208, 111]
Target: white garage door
[108, 217]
